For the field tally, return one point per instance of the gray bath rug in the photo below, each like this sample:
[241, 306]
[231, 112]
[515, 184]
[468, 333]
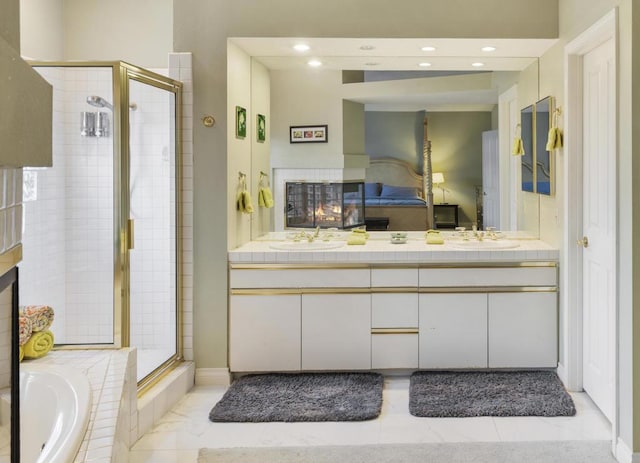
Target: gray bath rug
[301, 397]
[459, 452]
[488, 393]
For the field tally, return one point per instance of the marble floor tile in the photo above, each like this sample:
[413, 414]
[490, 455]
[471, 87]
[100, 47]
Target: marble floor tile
[186, 428]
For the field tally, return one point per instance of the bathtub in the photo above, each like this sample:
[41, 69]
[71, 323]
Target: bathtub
[55, 404]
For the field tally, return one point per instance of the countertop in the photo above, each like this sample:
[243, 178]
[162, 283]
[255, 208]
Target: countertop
[379, 249]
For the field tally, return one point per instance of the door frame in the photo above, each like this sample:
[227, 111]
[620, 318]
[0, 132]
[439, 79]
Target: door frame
[570, 368]
[509, 164]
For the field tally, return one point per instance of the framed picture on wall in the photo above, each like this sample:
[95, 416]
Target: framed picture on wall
[308, 134]
[261, 124]
[241, 122]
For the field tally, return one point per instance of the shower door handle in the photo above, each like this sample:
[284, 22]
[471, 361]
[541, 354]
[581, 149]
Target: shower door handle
[130, 234]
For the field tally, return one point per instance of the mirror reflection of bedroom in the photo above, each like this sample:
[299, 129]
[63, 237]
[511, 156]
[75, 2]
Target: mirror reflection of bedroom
[376, 123]
[462, 124]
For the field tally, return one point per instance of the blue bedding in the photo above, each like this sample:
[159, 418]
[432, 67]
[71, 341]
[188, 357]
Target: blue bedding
[396, 201]
[378, 194]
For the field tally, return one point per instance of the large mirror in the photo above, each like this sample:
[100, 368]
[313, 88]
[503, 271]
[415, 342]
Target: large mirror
[544, 168]
[527, 126]
[537, 163]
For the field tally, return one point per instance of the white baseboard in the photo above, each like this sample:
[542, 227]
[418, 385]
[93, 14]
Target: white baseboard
[624, 453]
[213, 377]
[562, 374]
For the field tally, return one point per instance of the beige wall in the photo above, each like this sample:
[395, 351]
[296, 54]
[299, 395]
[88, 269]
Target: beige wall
[42, 36]
[139, 32]
[306, 97]
[25, 98]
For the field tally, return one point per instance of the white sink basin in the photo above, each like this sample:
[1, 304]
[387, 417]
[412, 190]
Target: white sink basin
[305, 245]
[486, 244]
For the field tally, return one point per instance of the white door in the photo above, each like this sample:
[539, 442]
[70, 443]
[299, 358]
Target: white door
[490, 179]
[599, 219]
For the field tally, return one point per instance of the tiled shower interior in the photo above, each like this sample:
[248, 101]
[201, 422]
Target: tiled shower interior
[69, 238]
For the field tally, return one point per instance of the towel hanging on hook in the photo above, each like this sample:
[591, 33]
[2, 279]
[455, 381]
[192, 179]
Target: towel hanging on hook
[243, 198]
[554, 139]
[518, 146]
[265, 196]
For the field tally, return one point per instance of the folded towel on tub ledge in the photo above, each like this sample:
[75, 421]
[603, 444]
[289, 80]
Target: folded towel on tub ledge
[38, 345]
[25, 329]
[41, 316]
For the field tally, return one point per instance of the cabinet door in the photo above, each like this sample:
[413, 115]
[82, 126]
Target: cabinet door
[453, 330]
[523, 330]
[264, 333]
[336, 331]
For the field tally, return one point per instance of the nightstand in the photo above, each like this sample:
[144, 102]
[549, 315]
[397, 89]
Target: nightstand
[445, 215]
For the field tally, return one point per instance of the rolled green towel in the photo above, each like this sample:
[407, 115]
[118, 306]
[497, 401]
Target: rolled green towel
[39, 344]
[356, 238]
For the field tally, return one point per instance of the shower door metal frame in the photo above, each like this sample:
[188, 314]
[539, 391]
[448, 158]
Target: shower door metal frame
[121, 73]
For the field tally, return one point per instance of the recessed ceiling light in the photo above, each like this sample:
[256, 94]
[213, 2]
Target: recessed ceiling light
[367, 47]
[314, 63]
[428, 48]
[488, 48]
[477, 65]
[301, 47]
[424, 65]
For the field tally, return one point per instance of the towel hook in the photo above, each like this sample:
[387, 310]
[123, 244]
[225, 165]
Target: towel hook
[241, 175]
[263, 174]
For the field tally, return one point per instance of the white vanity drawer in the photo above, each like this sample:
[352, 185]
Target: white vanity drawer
[499, 276]
[394, 350]
[394, 277]
[394, 310]
[300, 278]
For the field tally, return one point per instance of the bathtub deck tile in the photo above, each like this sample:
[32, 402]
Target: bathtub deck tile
[107, 372]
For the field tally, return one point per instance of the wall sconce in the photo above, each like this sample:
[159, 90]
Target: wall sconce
[437, 178]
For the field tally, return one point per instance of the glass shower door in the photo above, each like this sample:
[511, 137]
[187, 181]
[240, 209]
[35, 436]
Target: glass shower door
[153, 208]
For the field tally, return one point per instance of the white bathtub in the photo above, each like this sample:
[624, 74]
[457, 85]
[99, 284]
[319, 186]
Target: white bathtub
[55, 404]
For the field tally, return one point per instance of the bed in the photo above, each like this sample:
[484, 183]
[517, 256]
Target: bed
[393, 189]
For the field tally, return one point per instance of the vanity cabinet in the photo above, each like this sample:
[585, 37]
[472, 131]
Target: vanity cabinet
[523, 330]
[453, 330]
[336, 332]
[264, 332]
[297, 317]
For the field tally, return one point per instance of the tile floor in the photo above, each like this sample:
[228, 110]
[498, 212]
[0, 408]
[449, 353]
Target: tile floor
[186, 428]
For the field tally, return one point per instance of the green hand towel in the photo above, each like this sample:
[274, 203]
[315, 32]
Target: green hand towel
[265, 197]
[554, 139]
[518, 147]
[434, 237]
[39, 344]
[356, 239]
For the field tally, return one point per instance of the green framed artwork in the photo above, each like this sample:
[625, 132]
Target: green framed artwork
[241, 122]
[261, 124]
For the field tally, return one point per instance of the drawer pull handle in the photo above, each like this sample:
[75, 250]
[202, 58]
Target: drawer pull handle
[394, 331]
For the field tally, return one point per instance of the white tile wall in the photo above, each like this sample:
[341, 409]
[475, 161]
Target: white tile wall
[152, 204]
[68, 242]
[180, 68]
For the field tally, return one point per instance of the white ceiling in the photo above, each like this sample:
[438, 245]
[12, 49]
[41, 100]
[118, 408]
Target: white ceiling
[395, 54]
[404, 55]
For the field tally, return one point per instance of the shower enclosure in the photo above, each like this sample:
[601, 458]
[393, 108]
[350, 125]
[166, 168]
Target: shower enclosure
[101, 240]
